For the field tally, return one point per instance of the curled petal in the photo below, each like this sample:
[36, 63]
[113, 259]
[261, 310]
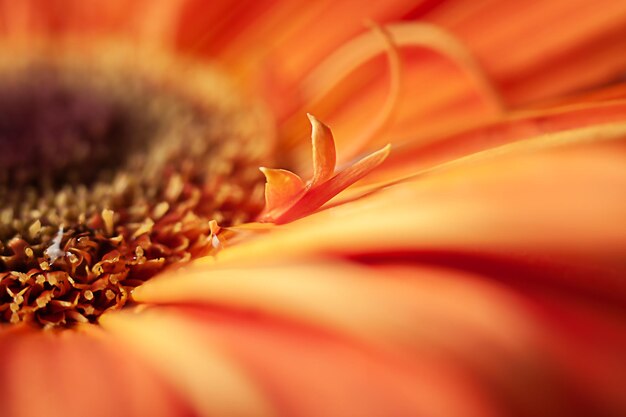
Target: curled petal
[287, 199]
[282, 189]
[407, 34]
[316, 197]
[324, 157]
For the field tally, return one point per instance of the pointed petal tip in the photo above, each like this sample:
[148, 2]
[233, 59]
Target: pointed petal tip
[314, 120]
[317, 125]
[319, 130]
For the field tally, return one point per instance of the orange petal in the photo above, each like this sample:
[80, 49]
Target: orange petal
[480, 321]
[362, 49]
[477, 322]
[304, 372]
[413, 155]
[495, 204]
[288, 199]
[341, 64]
[282, 189]
[278, 29]
[436, 97]
[382, 309]
[316, 197]
[324, 157]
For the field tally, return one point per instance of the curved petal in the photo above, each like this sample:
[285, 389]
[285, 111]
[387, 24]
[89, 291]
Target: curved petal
[317, 196]
[279, 30]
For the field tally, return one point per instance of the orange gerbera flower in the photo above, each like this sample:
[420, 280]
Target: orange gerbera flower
[473, 267]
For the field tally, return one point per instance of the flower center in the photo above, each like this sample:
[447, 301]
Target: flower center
[108, 176]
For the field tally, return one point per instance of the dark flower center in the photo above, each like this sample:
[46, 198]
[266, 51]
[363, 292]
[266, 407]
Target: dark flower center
[108, 177]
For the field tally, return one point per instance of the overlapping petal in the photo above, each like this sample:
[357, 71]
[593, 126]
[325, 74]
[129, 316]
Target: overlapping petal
[486, 261]
[565, 199]
[479, 273]
[566, 46]
[318, 373]
[417, 155]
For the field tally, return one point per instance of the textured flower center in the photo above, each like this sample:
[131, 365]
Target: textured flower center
[106, 178]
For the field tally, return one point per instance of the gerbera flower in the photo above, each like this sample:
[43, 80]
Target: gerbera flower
[473, 267]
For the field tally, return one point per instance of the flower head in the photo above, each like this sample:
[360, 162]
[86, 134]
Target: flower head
[472, 267]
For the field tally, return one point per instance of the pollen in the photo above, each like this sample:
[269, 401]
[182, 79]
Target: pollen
[110, 174]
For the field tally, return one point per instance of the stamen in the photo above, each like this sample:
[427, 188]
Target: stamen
[54, 251]
[107, 177]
